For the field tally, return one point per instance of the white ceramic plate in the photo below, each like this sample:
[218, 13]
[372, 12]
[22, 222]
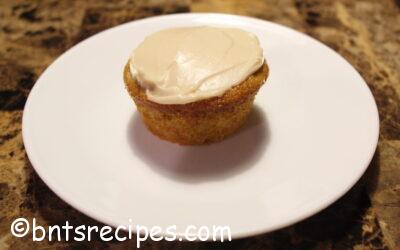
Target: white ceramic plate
[311, 136]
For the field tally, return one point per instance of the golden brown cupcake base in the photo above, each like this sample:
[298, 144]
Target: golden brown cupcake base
[200, 122]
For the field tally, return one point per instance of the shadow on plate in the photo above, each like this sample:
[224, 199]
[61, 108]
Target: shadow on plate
[194, 164]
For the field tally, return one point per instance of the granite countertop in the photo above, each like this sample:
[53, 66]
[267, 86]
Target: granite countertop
[365, 32]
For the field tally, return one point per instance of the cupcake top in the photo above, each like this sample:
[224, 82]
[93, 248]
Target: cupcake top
[183, 65]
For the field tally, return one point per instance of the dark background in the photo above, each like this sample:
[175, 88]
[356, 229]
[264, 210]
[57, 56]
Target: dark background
[366, 33]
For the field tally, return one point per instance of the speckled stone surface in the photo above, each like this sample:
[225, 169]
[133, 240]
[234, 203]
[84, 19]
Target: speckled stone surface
[366, 33]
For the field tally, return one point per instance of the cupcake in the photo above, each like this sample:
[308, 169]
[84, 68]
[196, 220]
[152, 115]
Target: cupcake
[195, 85]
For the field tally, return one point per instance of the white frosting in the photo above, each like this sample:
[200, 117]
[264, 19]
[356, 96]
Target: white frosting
[183, 65]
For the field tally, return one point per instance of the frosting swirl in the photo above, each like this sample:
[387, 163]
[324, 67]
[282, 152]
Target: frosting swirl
[183, 65]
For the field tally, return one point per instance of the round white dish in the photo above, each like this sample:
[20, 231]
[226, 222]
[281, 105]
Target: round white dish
[311, 136]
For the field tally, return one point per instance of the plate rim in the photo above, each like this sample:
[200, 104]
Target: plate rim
[34, 162]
